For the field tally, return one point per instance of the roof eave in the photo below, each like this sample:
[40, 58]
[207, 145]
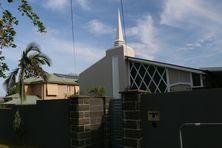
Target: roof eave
[182, 68]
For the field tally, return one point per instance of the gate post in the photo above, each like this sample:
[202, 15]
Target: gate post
[89, 122]
[132, 119]
[80, 126]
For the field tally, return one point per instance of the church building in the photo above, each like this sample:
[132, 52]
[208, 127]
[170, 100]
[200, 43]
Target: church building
[120, 70]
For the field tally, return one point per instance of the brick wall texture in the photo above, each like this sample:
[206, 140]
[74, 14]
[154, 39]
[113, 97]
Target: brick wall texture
[89, 122]
[132, 119]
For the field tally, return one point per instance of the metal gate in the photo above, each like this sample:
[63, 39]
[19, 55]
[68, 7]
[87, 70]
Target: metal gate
[116, 123]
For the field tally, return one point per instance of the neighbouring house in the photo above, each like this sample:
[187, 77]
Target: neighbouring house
[120, 70]
[15, 100]
[58, 86]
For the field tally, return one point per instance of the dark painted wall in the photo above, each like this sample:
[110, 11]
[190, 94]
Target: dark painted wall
[214, 79]
[183, 107]
[45, 124]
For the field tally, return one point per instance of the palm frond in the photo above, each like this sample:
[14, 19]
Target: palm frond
[44, 59]
[10, 81]
[38, 71]
[32, 47]
[40, 59]
[30, 64]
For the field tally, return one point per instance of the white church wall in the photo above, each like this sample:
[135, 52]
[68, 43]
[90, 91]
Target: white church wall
[98, 75]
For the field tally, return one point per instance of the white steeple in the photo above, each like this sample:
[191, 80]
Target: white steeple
[119, 32]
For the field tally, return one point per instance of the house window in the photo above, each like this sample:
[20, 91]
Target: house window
[196, 80]
[52, 89]
[147, 77]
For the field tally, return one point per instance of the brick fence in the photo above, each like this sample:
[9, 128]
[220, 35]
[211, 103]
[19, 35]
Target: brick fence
[78, 122]
[89, 122]
[132, 119]
[190, 118]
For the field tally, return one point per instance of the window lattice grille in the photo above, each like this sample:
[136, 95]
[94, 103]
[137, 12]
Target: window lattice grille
[151, 78]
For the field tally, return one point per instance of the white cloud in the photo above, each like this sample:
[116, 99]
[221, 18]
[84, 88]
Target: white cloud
[56, 4]
[142, 51]
[146, 34]
[62, 4]
[175, 11]
[199, 27]
[199, 43]
[196, 37]
[98, 27]
[84, 4]
[61, 49]
[179, 12]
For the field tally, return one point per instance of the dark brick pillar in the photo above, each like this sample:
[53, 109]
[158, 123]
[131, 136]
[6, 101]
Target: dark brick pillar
[132, 119]
[89, 122]
[80, 122]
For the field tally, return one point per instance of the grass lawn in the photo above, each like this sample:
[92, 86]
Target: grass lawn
[15, 146]
[6, 144]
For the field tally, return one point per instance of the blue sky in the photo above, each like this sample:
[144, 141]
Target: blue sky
[183, 32]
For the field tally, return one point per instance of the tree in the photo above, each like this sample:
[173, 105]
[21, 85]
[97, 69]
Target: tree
[30, 65]
[7, 23]
[3, 66]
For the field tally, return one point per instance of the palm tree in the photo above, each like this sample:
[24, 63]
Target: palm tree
[30, 65]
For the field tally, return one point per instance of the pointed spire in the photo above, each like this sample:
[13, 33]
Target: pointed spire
[119, 32]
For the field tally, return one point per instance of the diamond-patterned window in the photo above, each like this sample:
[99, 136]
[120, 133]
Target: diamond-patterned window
[147, 77]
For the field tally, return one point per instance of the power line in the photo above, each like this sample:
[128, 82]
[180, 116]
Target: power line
[123, 20]
[1, 7]
[73, 38]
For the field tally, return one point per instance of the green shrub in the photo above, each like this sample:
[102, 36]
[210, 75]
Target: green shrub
[97, 91]
[17, 121]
